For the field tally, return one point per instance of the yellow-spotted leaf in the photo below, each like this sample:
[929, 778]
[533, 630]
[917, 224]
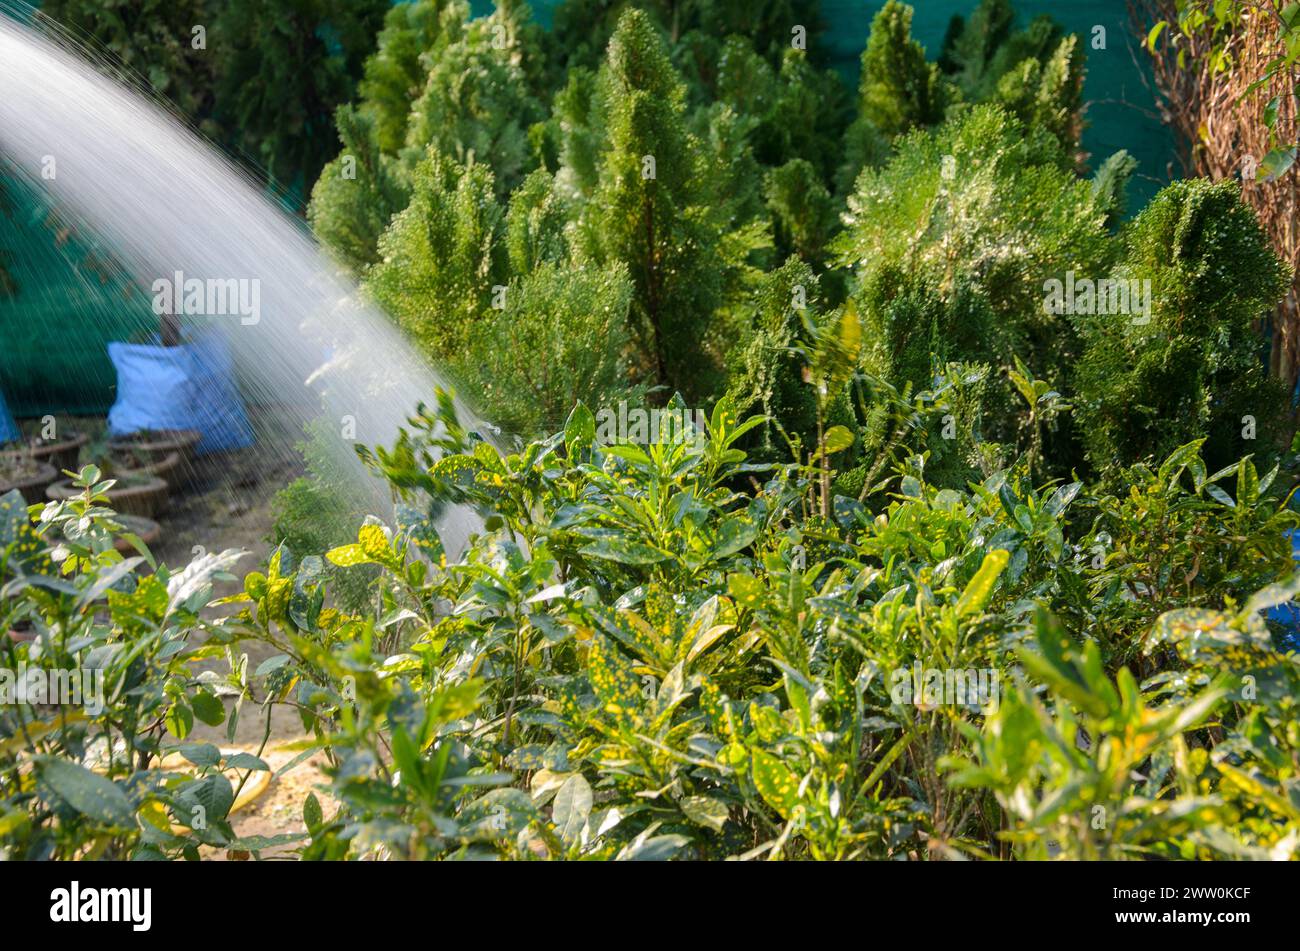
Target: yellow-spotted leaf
[776, 782]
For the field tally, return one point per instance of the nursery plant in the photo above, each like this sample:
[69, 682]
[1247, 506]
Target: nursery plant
[939, 548]
[638, 658]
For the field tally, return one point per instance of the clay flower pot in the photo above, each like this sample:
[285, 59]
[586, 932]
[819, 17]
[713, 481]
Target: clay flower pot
[155, 445]
[61, 453]
[137, 493]
[168, 453]
[146, 529]
[32, 484]
[169, 467]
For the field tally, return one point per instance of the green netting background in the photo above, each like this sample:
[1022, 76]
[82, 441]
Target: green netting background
[53, 333]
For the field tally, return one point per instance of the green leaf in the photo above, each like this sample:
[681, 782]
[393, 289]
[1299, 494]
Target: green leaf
[572, 807]
[613, 680]
[1272, 595]
[179, 720]
[656, 849]
[623, 551]
[92, 795]
[734, 534]
[747, 590]
[980, 588]
[1179, 460]
[249, 762]
[345, 556]
[311, 813]
[579, 432]
[1276, 164]
[201, 754]
[1247, 484]
[775, 781]
[705, 811]
[837, 439]
[208, 708]
[1154, 35]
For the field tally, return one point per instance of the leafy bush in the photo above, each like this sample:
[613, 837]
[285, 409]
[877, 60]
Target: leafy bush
[1191, 367]
[633, 659]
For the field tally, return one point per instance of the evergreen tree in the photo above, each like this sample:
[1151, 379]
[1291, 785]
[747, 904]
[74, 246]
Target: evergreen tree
[1049, 94]
[357, 194]
[899, 89]
[767, 374]
[285, 67]
[970, 46]
[442, 256]
[476, 104]
[585, 27]
[953, 240]
[155, 41]
[645, 211]
[1192, 366]
[802, 209]
[562, 337]
[798, 111]
[1111, 185]
[395, 75]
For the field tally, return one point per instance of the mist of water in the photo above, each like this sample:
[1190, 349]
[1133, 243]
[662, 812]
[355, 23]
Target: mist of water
[166, 201]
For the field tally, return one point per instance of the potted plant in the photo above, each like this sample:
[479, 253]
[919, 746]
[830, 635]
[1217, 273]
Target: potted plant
[21, 470]
[136, 491]
[62, 451]
[146, 529]
[169, 453]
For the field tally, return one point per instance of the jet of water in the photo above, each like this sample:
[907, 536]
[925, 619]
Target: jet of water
[168, 202]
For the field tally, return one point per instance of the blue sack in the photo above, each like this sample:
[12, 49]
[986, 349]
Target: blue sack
[1288, 614]
[8, 428]
[187, 387]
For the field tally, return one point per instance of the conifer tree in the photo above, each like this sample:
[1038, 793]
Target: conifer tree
[357, 194]
[476, 104]
[1148, 383]
[395, 75]
[442, 256]
[154, 40]
[899, 89]
[285, 67]
[644, 210]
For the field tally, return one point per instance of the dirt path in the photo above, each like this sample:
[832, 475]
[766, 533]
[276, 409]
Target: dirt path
[229, 506]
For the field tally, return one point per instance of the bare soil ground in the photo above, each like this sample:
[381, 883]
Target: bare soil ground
[229, 506]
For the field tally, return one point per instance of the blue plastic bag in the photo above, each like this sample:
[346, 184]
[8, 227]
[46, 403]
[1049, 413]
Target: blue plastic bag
[8, 428]
[1288, 614]
[187, 387]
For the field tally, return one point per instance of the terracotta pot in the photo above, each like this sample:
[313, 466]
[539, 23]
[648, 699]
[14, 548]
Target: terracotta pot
[146, 496]
[33, 486]
[168, 467]
[146, 529]
[61, 453]
[157, 445]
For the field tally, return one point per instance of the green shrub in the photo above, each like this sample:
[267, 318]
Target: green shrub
[321, 509]
[900, 90]
[1192, 366]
